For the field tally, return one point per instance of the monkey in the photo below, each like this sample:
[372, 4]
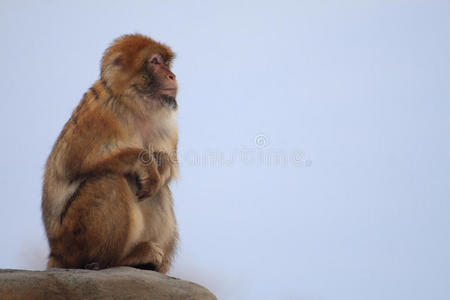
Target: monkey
[106, 199]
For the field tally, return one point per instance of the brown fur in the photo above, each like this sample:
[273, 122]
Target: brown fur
[103, 205]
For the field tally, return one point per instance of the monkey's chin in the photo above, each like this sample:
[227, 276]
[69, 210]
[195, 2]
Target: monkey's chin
[162, 100]
[169, 101]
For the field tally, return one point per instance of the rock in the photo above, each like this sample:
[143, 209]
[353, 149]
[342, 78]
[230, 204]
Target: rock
[114, 283]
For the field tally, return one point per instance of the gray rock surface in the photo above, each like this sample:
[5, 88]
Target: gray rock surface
[114, 283]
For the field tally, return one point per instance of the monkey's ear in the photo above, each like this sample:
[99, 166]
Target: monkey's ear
[112, 59]
[117, 60]
[110, 62]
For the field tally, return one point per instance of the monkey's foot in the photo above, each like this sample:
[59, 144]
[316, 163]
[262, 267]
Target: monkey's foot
[165, 265]
[143, 256]
[161, 264]
[155, 258]
[156, 254]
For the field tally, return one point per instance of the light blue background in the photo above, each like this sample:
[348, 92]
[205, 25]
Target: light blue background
[354, 94]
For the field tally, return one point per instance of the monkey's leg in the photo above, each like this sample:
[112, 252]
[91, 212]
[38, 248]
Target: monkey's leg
[96, 225]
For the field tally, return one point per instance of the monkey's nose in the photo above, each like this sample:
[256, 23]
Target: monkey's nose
[171, 76]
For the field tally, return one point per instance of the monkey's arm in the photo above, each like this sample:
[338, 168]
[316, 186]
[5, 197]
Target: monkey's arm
[120, 161]
[95, 144]
[128, 162]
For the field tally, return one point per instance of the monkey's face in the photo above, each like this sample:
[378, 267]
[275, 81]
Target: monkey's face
[135, 65]
[156, 82]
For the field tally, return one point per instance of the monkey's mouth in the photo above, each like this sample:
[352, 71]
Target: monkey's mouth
[151, 91]
[169, 91]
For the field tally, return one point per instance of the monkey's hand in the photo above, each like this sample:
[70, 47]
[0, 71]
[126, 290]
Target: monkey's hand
[153, 173]
[165, 165]
[148, 180]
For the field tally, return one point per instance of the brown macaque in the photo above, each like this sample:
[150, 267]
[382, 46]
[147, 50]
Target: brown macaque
[106, 200]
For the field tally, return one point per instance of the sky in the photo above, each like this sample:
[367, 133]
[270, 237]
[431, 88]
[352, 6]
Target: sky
[314, 138]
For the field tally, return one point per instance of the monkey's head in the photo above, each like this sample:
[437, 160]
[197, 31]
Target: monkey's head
[137, 65]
